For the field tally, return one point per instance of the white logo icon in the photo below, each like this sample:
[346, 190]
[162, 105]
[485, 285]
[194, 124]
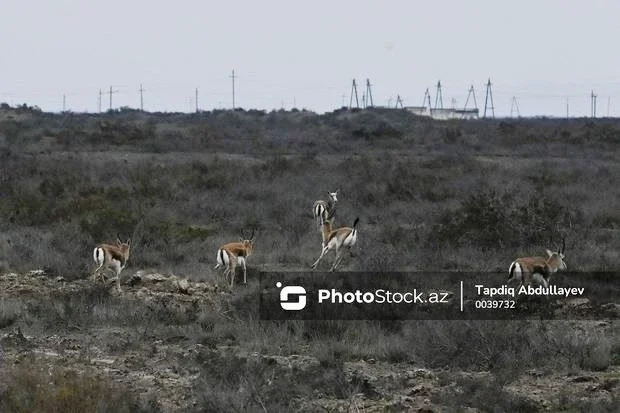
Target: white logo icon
[292, 290]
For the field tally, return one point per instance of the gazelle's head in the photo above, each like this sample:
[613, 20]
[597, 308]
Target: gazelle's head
[124, 246]
[334, 196]
[248, 242]
[556, 259]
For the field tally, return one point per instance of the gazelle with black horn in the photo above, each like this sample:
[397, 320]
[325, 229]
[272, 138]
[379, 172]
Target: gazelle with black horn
[234, 253]
[108, 256]
[322, 210]
[527, 268]
[340, 240]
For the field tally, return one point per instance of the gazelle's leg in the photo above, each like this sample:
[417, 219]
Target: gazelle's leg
[233, 270]
[325, 249]
[338, 260]
[245, 281]
[118, 282]
[97, 270]
[102, 273]
[225, 274]
[118, 269]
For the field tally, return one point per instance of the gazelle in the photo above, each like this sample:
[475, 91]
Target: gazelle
[322, 210]
[231, 254]
[525, 269]
[340, 240]
[112, 256]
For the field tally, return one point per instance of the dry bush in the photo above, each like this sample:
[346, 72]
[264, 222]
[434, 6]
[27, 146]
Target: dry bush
[484, 394]
[35, 387]
[233, 383]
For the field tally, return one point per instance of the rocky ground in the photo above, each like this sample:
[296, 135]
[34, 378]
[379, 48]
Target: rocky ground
[162, 364]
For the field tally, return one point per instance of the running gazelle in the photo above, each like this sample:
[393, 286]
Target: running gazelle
[112, 256]
[323, 210]
[233, 253]
[525, 269]
[340, 240]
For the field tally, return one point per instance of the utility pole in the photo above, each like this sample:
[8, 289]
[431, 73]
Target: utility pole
[608, 104]
[364, 100]
[196, 100]
[593, 105]
[111, 92]
[369, 92]
[354, 89]
[471, 93]
[100, 93]
[427, 97]
[141, 90]
[439, 96]
[514, 106]
[64, 103]
[489, 96]
[233, 88]
[399, 100]
[566, 108]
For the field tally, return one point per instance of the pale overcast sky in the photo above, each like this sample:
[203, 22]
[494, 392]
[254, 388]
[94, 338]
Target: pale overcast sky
[543, 52]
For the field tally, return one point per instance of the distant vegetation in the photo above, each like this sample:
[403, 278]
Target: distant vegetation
[430, 194]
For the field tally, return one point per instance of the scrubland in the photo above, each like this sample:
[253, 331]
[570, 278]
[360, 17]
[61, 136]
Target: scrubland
[430, 195]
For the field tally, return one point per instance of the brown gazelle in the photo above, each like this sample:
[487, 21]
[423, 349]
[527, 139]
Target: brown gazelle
[340, 240]
[527, 268]
[324, 210]
[231, 254]
[112, 256]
